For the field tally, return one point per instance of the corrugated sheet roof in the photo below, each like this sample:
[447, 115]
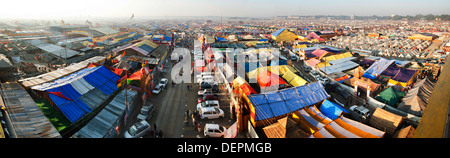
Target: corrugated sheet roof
[106, 119]
[27, 119]
[50, 76]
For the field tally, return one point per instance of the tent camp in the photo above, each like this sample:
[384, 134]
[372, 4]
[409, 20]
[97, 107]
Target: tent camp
[346, 128]
[416, 100]
[320, 53]
[81, 92]
[284, 35]
[27, 120]
[293, 79]
[284, 128]
[53, 75]
[385, 121]
[377, 68]
[403, 78]
[331, 110]
[287, 73]
[390, 96]
[270, 82]
[266, 106]
[111, 116]
[339, 67]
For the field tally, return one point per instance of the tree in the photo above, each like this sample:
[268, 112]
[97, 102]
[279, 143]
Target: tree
[429, 17]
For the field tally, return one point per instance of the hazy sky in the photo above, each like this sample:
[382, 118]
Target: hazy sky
[255, 8]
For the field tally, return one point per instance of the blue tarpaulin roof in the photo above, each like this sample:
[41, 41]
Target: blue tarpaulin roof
[221, 39]
[100, 78]
[331, 110]
[74, 108]
[318, 90]
[276, 33]
[287, 100]
[377, 68]
[306, 95]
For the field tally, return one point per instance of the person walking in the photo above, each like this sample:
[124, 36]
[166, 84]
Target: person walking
[199, 128]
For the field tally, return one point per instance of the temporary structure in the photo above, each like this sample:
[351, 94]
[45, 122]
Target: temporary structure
[407, 132]
[284, 128]
[284, 35]
[346, 128]
[390, 96]
[81, 92]
[385, 121]
[417, 98]
[377, 68]
[26, 118]
[332, 110]
[264, 107]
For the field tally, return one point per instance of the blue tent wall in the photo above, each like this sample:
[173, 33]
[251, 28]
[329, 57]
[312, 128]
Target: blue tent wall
[331, 110]
[103, 79]
[100, 77]
[306, 95]
[74, 108]
[318, 90]
[285, 101]
[263, 112]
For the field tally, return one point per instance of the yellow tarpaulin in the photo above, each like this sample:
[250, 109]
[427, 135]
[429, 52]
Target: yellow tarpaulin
[285, 36]
[302, 38]
[287, 73]
[339, 56]
[300, 46]
[277, 69]
[298, 81]
[238, 81]
[322, 64]
[329, 58]
[289, 76]
[293, 79]
[348, 54]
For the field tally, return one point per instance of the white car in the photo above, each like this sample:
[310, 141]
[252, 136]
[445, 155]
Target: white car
[205, 92]
[163, 82]
[158, 88]
[214, 130]
[138, 129]
[147, 112]
[361, 110]
[205, 78]
[208, 103]
[211, 113]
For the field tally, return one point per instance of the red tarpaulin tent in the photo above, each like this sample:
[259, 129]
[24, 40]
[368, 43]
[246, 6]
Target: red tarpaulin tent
[267, 79]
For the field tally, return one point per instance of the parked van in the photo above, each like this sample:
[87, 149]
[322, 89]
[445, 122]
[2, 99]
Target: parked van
[208, 103]
[361, 110]
[211, 113]
[214, 130]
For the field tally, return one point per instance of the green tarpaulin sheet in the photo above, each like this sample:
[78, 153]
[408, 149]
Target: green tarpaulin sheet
[390, 96]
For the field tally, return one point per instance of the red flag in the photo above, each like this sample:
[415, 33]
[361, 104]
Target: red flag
[59, 94]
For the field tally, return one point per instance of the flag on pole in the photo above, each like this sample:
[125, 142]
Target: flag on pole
[132, 16]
